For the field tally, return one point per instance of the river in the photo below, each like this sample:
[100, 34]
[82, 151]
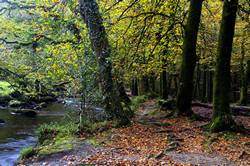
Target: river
[18, 131]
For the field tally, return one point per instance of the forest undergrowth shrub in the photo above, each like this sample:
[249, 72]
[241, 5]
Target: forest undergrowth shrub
[137, 101]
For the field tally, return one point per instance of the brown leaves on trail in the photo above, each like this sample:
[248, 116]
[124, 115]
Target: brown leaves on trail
[147, 144]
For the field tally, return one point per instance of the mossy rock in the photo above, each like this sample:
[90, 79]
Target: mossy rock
[28, 152]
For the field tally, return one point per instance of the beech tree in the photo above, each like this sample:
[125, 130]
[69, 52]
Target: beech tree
[90, 12]
[189, 59]
[222, 116]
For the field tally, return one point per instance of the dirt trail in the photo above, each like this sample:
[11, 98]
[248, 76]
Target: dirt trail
[155, 140]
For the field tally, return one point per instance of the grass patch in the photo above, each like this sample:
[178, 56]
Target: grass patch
[61, 137]
[55, 138]
[5, 88]
[48, 132]
[57, 145]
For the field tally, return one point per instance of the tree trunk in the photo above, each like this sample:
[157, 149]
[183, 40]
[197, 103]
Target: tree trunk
[122, 93]
[144, 85]
[197, 82]
[164, 85]
[185, 90]
[204, 85]
[134, 87]
[152, 84]
[222, 116]
[209, 86]
[243, 75]
[90, 12]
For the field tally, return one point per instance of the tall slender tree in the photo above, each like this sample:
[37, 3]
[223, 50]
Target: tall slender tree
[89, 10]
[222, 116]
[243, 73]
[189, 58]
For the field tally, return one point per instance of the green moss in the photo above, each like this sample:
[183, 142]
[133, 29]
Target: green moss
[58, 144]
[153, 113]
[27, 152]
[223, 123]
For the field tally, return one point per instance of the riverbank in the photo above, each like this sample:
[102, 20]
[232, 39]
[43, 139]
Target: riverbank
[18, 131]
[153, 139]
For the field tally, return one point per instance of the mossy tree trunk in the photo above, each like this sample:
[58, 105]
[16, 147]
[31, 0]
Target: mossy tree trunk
[222, 116]
[245, 78]
[243, 73]
[122, 93]
[189, 58]
[89, 10]
[164, 91]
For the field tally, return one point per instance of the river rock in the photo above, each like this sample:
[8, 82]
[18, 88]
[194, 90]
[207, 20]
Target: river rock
[25, 112]
[2, 121]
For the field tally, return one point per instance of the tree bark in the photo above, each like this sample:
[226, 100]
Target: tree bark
[222, 116]
[189, 58]
[90, 12]
[144, 85]
[243, 75]
[134, 87]
[122, 93]
[164, 85]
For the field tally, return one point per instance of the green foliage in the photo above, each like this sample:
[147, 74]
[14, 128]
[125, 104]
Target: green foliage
[56, 137]
[93, 127]
[27, 153]
[53, 130]
[169, 104]
[5, 88]
[137, 101]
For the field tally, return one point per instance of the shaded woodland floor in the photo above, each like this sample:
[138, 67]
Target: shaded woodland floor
[153, 139]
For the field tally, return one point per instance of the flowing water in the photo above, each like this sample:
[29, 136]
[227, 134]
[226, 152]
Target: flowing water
[18, 131]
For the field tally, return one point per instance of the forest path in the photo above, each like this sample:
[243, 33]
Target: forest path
[152, 139]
